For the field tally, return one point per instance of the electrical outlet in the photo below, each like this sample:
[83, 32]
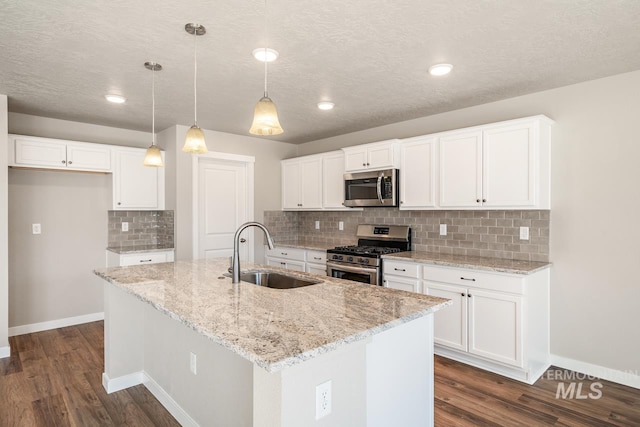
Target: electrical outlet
[317, 225]
[443, 229]
[193, 363]
[524, 233]
[341, 225]
[323, 400]
[36, 228]
[125, 226]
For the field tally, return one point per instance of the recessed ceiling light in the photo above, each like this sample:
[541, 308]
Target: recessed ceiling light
[116, 99]
[265, 55]
[440, 69]
[326, 105]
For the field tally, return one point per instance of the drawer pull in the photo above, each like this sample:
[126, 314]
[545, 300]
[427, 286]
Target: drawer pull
[284, 253]
[318, 258]
[399, 269]
[464, 278]
[146, 260]
[283, 263]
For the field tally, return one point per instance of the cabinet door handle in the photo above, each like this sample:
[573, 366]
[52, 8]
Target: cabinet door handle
[464, 278]
[469, 295]
[64, 161]
[463, 294]
[283, 263]
[399, 269]
[484, 200]
[119, 203]
[364, 164]
[243, 240]
[146, 260]
[70, 162]
[368, 164]
[477, 200]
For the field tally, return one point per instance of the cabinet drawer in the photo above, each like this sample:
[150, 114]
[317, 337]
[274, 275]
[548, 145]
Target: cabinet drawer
[474, 279]
[287, 253]
[145, 258]
[404, 269]
[317, 257]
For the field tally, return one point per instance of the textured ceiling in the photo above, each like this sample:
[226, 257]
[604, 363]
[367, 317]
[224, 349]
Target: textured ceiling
[59, 58]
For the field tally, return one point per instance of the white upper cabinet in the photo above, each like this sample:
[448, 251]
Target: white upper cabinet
[333, 181]
[136, 187]
[302, 183]
[502, 165]
[34, 152]
[418, 173]
[461, 169]
[375, 156]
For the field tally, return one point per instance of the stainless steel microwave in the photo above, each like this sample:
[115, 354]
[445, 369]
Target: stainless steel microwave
[375, 188]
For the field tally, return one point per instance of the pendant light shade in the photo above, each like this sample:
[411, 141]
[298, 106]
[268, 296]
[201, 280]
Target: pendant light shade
[153, 157]
[265, 114]
[194, 142]
[265, 118]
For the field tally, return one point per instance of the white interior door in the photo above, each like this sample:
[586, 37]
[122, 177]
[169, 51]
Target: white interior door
[225, 201]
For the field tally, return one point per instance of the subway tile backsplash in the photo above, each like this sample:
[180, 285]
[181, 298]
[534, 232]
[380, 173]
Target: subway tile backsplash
[145, 228]
[491, 233]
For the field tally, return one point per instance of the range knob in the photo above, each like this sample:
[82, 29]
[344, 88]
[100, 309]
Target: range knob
[350, 259]
[363, 260]
[337, 257]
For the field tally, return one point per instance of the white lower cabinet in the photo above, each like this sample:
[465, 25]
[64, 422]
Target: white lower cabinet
[138, 258]
[298, 259]
[497, 321]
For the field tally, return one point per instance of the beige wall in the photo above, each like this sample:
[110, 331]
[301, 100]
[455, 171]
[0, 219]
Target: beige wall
[267, 183]
[594, 208]
[4, 279]
[50, 275]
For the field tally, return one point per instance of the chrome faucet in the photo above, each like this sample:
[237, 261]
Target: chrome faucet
[235, 263]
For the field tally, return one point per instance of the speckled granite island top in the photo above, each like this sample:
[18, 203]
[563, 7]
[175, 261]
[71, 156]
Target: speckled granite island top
[475, 262]
[273, 328]
[140, 249]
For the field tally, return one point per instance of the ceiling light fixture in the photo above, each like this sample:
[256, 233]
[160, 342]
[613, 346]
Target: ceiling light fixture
[265, 55]
[326, 105]
[265, 115]
[153, 157]
[194, 142]
[116, 99]
[440, 69]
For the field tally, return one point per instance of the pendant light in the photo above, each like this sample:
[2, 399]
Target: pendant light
[265, 115]
[194, 142]
[153, 157]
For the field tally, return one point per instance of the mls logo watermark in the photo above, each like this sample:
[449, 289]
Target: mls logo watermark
[575, 385]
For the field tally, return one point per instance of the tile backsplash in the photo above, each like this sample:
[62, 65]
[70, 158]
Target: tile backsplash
[145, 228]
[490, 233]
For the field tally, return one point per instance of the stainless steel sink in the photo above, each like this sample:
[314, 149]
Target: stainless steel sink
[272, 279]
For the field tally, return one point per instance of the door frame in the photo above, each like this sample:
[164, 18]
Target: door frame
[249, 162]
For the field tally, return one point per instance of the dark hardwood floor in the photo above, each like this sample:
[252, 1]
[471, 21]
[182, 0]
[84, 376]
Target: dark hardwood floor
[53, 378]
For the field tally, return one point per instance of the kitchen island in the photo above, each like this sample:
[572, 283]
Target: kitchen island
[215, 353]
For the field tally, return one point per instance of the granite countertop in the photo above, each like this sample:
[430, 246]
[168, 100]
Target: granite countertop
[304, 244]
[141, 249]
[475, 262]
[272, 328]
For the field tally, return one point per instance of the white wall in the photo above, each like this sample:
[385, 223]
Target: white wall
[595, 237]
[50, 275]
[4, 248]
[267, 178]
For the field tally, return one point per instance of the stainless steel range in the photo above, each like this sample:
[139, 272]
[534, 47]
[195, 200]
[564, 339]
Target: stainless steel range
[363, 263]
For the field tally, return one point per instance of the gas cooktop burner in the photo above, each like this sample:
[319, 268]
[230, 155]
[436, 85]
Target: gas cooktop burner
[366, 250]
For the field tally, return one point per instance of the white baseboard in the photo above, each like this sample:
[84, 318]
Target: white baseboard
[54, 324]
[5, 352]
[631, 379]
[120, 383]
[167, 401]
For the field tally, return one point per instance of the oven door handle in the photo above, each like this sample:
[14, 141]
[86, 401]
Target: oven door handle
[352, 269]
[379, 187]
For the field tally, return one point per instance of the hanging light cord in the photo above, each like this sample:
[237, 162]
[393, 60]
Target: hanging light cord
[153, 103]
[195, 76]
[266, 43]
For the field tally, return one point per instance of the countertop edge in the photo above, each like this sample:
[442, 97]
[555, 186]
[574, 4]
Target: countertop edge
[470, 266]
[134, 250]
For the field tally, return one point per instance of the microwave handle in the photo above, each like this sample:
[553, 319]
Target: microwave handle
[379, 188]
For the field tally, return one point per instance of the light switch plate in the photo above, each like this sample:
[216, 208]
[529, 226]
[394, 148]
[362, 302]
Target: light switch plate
[125, 226]
[443, 229]
[524, 233]
[36, 228]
